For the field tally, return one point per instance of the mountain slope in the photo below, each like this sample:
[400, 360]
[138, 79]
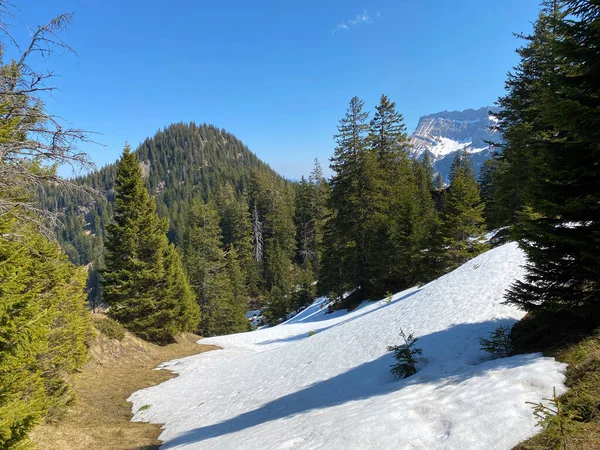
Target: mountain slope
[443, 134]
[281, 388]
[180, 162]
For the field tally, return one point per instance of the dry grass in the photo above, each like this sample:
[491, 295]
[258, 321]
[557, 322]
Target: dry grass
[100, 418]
[582, 399]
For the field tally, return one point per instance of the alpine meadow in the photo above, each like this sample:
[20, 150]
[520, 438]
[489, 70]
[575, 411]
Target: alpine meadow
[413, 280]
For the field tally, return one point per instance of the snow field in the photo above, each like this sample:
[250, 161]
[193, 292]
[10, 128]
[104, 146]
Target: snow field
[278, 388]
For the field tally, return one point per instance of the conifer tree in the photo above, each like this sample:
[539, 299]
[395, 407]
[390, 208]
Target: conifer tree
[205, 262]
[462, 218]
[340, 263]
[215, 276]
[240, 304]
[319, 199]
[135, 281]
[236, 229]
[429, 174]
[439, 182]
[551, 121]
[425, 239]
[257, 236]
[45, 329]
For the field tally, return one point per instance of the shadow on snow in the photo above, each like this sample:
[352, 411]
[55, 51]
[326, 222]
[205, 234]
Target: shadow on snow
[323, 317]
[368, 380]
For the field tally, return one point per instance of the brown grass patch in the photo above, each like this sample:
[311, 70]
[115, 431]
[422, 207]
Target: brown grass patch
[100, 418]
[582, 399]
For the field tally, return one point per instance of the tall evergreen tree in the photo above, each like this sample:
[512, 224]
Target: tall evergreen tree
[205, 262]
[136, 280]
[429, 174]
[346, 235]
[45, 329]
[236, 229]
[462, 218]
[551, 120]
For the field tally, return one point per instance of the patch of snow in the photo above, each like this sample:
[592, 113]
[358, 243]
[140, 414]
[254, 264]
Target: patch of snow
[445, 146]
[280, 388]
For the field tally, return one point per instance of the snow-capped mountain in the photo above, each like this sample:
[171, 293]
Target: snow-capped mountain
[443, 134]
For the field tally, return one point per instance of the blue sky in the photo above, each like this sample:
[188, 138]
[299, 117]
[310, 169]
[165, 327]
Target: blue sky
[277, 74]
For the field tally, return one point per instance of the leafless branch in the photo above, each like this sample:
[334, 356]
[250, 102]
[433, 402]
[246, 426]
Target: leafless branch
[34, 142]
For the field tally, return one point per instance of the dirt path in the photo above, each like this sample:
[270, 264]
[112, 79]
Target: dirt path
[100, 417]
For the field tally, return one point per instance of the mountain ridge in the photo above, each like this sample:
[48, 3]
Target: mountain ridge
[444, 133]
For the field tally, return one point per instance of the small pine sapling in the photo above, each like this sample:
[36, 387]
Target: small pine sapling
[499, 344]
[406, 357]
[557, 421]
[388, 297]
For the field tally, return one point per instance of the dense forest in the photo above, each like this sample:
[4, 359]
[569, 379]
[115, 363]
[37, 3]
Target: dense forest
[190, 230]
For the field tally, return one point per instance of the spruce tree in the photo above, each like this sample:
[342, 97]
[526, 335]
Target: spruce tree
[429, 174]
[554, 126]
[352, 188]
[236, 229]
[216, 277]
[45, 329]
[136, 281]
[240, 298]
[462, 219]
[204, 260]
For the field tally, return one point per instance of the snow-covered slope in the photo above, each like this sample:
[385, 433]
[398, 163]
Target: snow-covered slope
[279, 388]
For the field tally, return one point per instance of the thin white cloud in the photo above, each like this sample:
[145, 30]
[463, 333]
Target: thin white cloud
[360, 19]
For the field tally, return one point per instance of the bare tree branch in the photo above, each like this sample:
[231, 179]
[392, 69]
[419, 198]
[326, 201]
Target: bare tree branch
[34, 142]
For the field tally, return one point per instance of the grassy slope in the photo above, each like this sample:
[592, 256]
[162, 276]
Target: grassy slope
[100, 418]
[581, 404]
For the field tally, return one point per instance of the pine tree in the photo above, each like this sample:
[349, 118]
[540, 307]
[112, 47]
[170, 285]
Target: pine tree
[551, 120]
[319, 198]
[426, 241]
[429, 174]
[236, 229]
[179, 290]
[355, 201]
[257, 236]
[462, 218]
[439, 182]
[205, 262]
[135, 281]
[387, 134]
[45, 329]
[240, 304]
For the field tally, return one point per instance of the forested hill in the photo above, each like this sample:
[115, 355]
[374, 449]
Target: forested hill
[181, 162]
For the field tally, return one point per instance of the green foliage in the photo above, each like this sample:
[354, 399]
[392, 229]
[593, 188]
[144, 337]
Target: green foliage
[551, 122]
[44, 330]
[406, 356]
[143, 281]
[304, 291]
[216, 277]
[462, 219]
[109, 327]
[277, 307]
[311, 333]
[383, 229]
[557, 422]
[498, 343]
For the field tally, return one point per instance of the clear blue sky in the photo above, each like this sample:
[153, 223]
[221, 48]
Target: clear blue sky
[277, 74]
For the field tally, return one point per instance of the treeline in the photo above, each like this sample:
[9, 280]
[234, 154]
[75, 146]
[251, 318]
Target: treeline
[373, 228]
[383, 231]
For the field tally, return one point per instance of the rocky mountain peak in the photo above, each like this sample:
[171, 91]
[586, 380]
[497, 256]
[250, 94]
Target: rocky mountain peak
[443, 134]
